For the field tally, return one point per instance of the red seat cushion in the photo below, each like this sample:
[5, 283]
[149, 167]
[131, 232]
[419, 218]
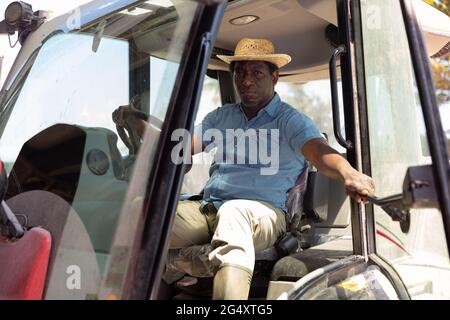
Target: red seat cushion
[23, 266]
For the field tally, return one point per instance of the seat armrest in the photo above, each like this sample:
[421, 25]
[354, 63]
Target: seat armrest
[190, 197]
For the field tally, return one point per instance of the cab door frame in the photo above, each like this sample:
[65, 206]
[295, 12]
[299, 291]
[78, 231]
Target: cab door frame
[434, 129]
[355, 106]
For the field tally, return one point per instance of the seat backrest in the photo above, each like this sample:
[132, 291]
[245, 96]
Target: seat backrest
[326, 202]
[317, 205]
[295, 199]
[23, 265]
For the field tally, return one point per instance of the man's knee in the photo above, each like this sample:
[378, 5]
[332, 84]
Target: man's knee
[189, 227]
[234, 209]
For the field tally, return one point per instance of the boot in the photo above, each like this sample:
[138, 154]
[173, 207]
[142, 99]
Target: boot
[232, 282]
[192, 260]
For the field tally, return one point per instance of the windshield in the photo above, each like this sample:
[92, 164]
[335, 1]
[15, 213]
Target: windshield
[69, 161]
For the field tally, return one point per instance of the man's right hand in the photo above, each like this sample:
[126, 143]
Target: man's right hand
[127, 113]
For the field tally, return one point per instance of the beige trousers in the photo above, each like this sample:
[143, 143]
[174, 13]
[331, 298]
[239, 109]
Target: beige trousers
[232, 236]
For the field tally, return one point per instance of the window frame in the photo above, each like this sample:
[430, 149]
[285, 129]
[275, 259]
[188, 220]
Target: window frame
[352, 117]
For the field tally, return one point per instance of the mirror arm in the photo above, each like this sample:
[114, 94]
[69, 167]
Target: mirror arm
[392, 205]
[418, 192]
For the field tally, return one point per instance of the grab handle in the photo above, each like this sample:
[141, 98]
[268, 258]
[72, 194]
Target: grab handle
[347, 144]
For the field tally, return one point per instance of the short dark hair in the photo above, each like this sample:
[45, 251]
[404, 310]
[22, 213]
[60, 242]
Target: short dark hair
[271, 66]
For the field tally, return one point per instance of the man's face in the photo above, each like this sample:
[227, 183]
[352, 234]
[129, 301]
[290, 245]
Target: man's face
[254, 83]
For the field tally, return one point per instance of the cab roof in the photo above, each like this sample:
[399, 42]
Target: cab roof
[297, 27]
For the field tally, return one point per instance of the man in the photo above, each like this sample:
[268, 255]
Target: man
[243, 210]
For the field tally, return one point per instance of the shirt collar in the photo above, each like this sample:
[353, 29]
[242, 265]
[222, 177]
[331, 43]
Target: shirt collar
[271, 109]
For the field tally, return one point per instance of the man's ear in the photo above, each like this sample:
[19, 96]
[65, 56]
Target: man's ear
[275, 76]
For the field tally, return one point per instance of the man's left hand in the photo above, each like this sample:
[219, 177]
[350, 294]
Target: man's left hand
[333, 165]
[358, 185]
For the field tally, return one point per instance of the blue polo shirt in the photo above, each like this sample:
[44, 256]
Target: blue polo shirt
[256, 159]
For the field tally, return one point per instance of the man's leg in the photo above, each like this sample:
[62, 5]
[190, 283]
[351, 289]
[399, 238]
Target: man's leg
[243, 226]
[190, 226]
[190, 243]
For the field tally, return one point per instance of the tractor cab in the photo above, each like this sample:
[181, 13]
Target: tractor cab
[89, 198]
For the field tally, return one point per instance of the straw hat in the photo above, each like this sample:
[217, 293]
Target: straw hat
[256, 50]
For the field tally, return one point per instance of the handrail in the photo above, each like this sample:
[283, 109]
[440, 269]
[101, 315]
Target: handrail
[347, 144]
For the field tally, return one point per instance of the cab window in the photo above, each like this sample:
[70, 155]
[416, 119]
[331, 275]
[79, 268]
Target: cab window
[313, 99]
[70, 169]
[398, 140]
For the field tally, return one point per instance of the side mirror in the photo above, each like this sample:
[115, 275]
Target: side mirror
[10, 227]
[419, 191]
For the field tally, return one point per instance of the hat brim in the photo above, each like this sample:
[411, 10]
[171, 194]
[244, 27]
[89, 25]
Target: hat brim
[280, 60]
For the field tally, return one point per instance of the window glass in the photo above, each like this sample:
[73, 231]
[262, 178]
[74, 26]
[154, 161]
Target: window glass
[314, 100]
[73, 169]
[444, 110]
[398, 140]
[440, 68]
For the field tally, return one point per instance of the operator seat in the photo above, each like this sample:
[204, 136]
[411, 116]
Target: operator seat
[314, 201]
[321, 205]
[288, 243]
[328, 207]
[23, 265]
[24, 254]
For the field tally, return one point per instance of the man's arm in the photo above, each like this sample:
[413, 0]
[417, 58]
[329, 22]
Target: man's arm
[329, 162]
[197, 145]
